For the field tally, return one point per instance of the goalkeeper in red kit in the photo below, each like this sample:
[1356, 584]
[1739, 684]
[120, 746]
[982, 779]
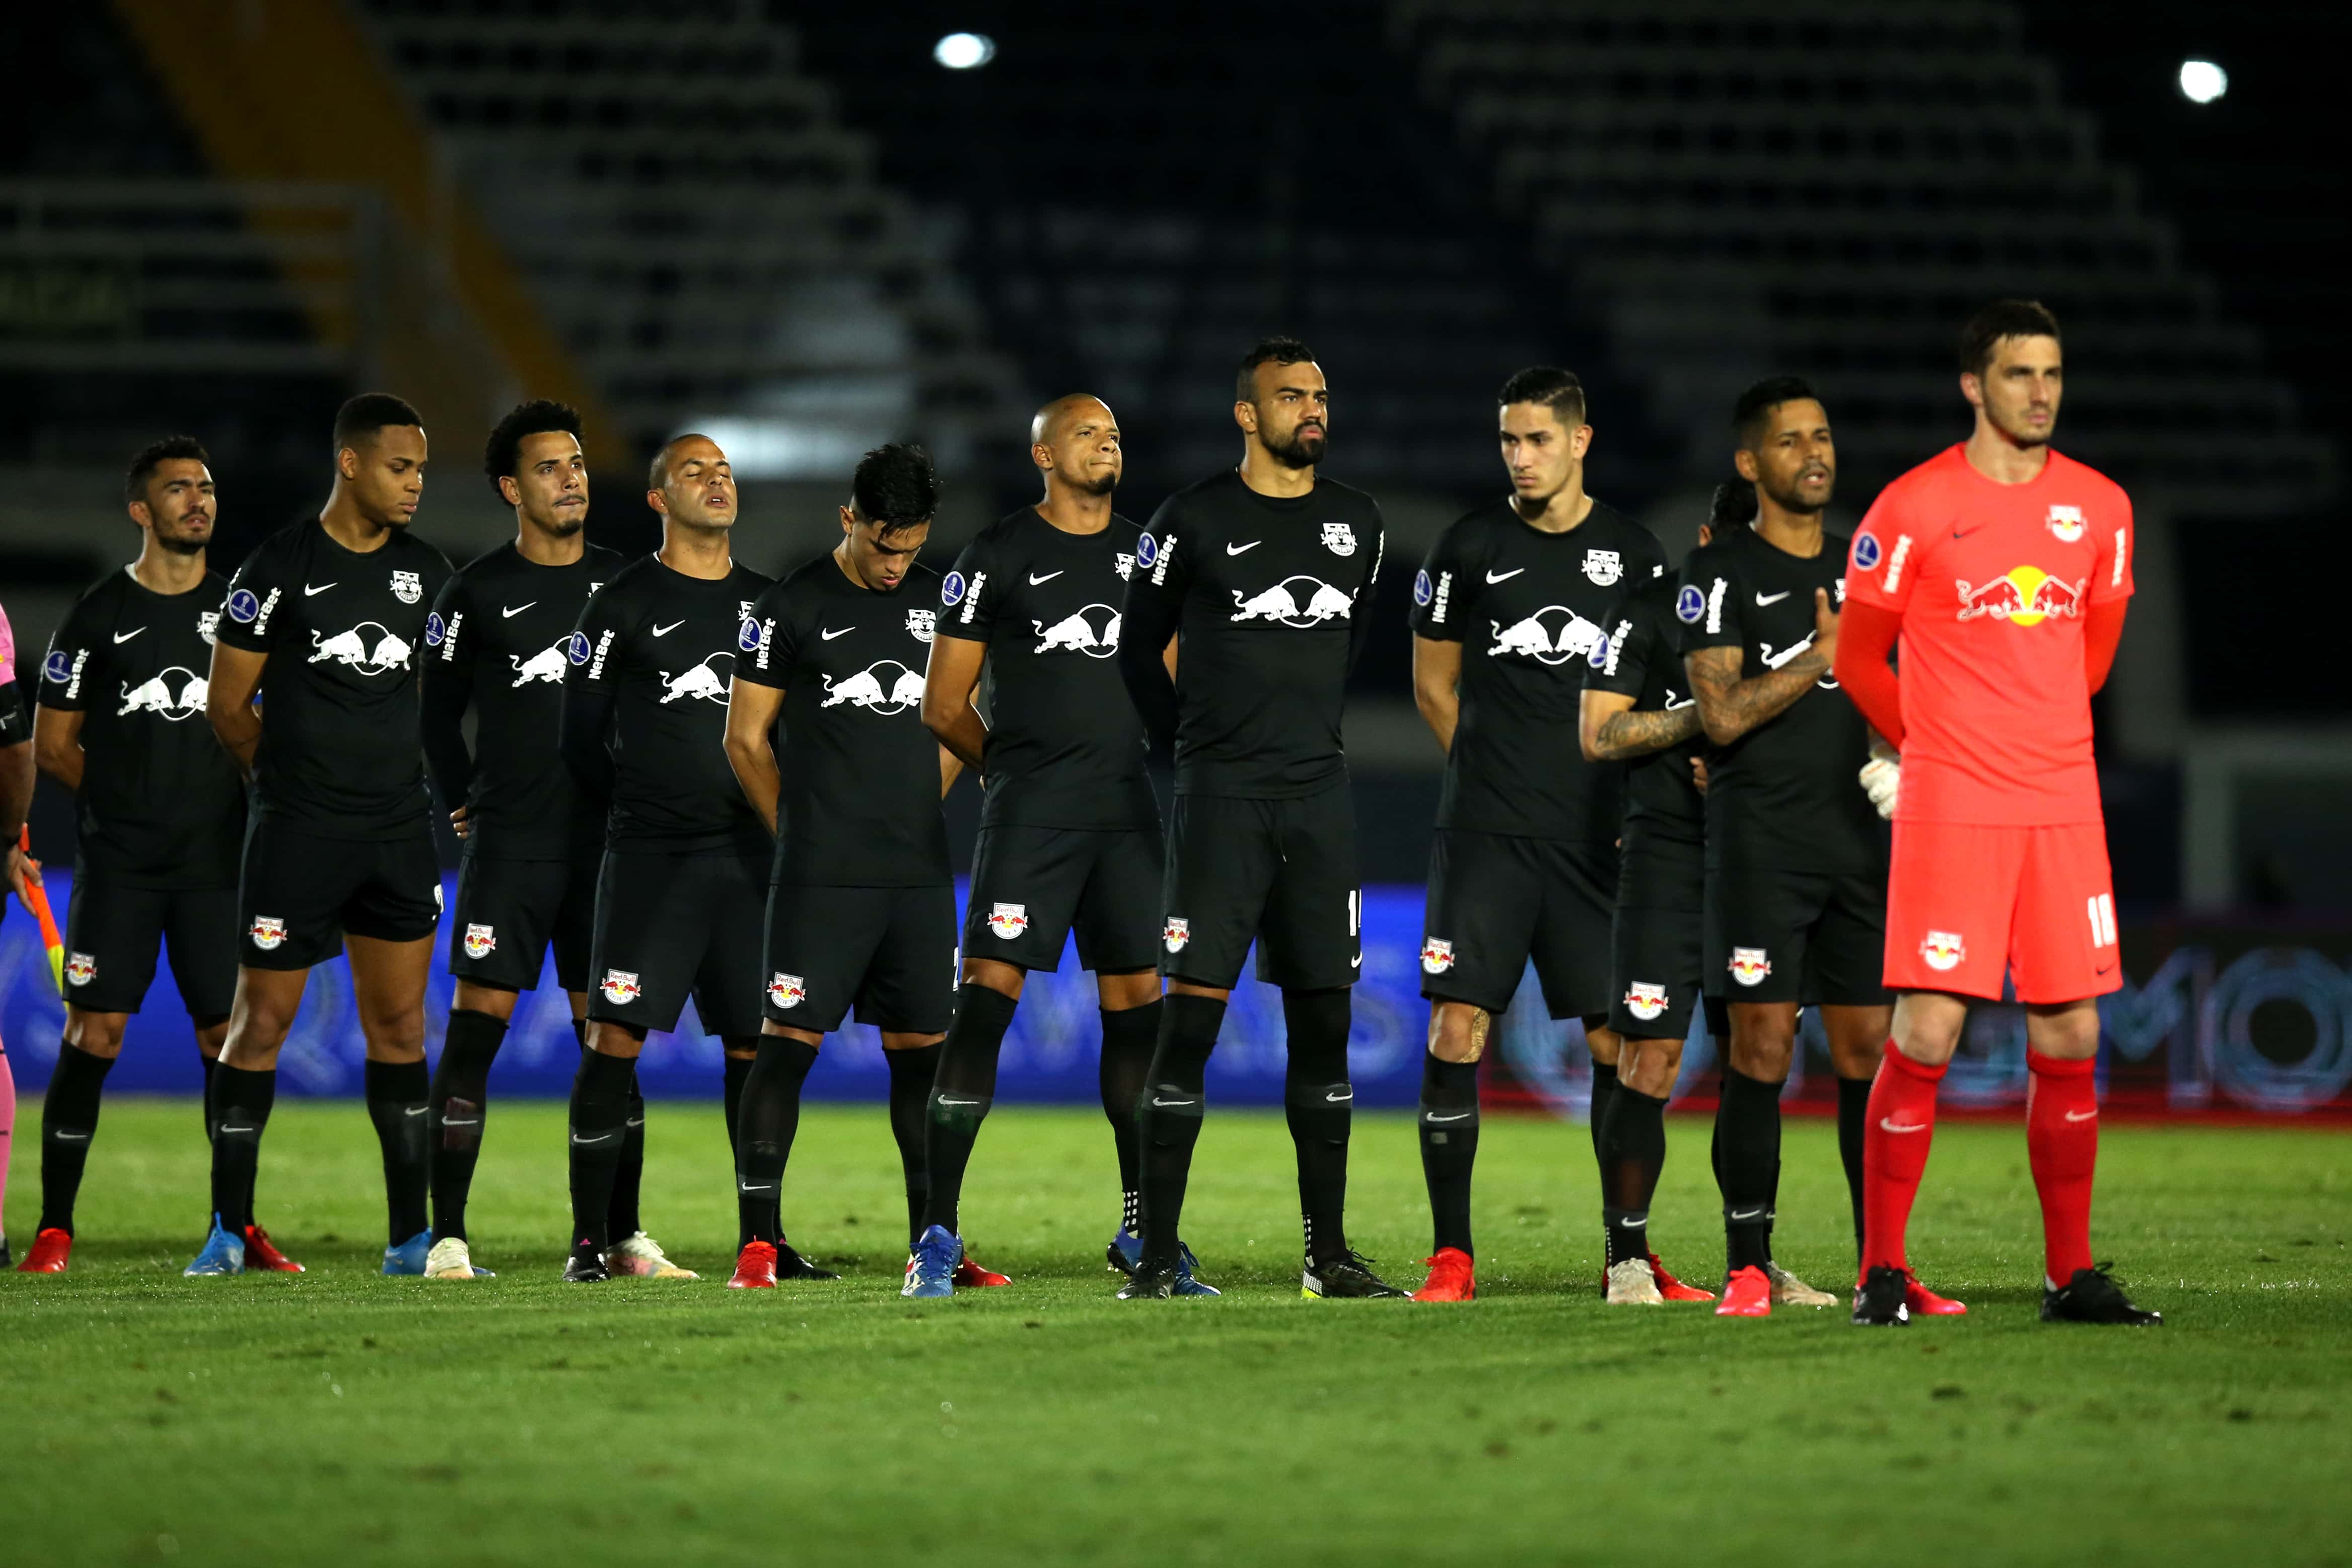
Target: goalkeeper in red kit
[2002, 569]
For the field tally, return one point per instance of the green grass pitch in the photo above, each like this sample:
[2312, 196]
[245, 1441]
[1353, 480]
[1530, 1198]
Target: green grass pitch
[342, 1417]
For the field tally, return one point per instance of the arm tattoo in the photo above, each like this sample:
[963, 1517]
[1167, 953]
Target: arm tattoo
[1729, 707]
[1637, 734]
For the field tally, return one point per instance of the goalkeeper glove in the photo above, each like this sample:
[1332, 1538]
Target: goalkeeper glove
[1882, 777]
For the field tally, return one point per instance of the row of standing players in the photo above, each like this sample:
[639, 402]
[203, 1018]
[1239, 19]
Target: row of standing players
[774, 755]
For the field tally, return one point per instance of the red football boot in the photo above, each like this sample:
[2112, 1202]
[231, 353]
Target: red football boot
[755, 1268]
[1451, 1278]
[52, 1250]
[1674, 1289]
[1925, 1303]
[971, 1275]
[1747, 1294]
[262, 1256]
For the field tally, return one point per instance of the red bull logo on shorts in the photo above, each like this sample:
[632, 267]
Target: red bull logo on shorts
[1176, 934]
[621, 985]
[266, 932]
[1645, 1001]
[480, 942]
[2022, 596]
[1943, 949]
[1436, 955]
[80, 969]
[1749, 965]
[1008, 921]
[787, 990]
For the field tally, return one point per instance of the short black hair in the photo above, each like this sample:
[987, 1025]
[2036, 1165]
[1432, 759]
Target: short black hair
[1734, 505]
[153, 455]
[357, 422]
[895, 488]
[658, 471]
[1748, 414]
[1269, 351]
[2002, 319]
[1556, 389]
[539, 417]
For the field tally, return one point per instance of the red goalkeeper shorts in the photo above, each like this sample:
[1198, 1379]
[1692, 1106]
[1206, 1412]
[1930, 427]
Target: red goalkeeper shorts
[1965, 904]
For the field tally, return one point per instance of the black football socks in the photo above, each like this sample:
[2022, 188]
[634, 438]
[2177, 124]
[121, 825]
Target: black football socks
[1167, 1120]
[456, 1102]
[599, 1126]
[1449, 1147]
[1319, 1104]
[961, 1096]
[1747, 1120]
[1853, 1121]
[399, 1096]
[1633, 1153]
[771, 1118]
[69, 1121]
[912, 1073]
[1129, 1038]
[243, 1101]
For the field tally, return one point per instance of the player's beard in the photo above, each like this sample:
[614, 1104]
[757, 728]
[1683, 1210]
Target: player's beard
[1792, 499]
[183, 544]
[2028, 438]
[1297, 451]
[1101, 487]
[564, 524]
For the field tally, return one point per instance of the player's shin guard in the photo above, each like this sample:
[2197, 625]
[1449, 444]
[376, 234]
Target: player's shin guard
[1167, 1119]
[242, 1102]
[912, 1073]
[961, 1096]
[771, 1118]
[456, 1107]
[2062, 1144]
[1894, 1154]
[1854, 1117]
[1633, 1153]
[1319, 1104]
[599, 1124]
[398, 1101]
[1747, 1120]
[69, 1123]
[1449, 1148]
[1127, 1039]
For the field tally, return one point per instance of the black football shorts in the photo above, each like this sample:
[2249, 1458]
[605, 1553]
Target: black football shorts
[509, 912]
[299, 893]
[1496, 901]
[1778, 934]
[1282, 873]
[1032, 889]
[112, 934]
[888, 952]
[671, 926]
[1658, 969]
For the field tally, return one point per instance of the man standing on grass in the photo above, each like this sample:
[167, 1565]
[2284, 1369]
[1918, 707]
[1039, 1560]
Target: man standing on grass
[497, 643]
[330, 614]
[160, 811]
[2002, 569]
[1266, 572]
[1069, 833]
[16, 778]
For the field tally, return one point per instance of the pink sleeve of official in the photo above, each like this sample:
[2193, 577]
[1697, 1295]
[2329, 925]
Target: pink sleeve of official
[7, 650]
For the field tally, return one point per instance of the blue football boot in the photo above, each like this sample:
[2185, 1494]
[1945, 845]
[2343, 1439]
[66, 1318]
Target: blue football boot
[407, 1259]
[931, 1271]
[224, 1253]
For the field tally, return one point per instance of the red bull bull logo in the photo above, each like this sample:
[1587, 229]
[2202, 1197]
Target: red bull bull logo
[2022, 596]
[546, 665]
[1553, 635]
[621, 986]
[787, 990]
[1092, 631]
[1436, 956]
[172, 694]
[705, 680]
[875, 688]
[1645, 1001]
[1942, 949]
[1749, 965]
[1009, 921]
[370, 648]
[1300, 601]
[80, 969]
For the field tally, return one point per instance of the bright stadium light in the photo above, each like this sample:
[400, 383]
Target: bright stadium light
[2202, 81]
[965, 52]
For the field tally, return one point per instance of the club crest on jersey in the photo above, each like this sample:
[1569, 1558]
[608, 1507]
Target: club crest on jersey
[1865, 552]
[1421, 590]
[874, 688]
[1603, 567]
[920, 624]
[407, 587]
[1436, 955]
[1749, 965]
[268, 932]
[787, 990]
[1338, 539]
[174, 694]
[1176, 934]
[207, 623]
[1299, 602]
[1092, 631]
[621, 985]
[1689, 604]
[80, 969]
[1008, 921]
[1645, 1001]
[2066, 522]
[952, 589]
[1943, 950]
[1124, 564]
[480, 940]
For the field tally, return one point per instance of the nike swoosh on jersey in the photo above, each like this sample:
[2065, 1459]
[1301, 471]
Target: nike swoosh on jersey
[1238, 549]
[121, 637]
[1495, 577]
[1764, 599]
[824, 636]
[664, 631]
[1957, 534]
[509, 613]
[1047, 578]
[308, 590]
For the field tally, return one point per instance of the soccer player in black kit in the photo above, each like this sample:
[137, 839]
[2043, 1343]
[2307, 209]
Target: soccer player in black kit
[677, 893]
[1266, 574]
[1069, 835]
[161, 812]
[330, 614]
[1637, 710]
[1796, 854]
[861, 908]
[499, 642]
[1506, 612]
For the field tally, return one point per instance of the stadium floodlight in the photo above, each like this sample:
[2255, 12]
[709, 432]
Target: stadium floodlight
[965, 52]
[2202, 81]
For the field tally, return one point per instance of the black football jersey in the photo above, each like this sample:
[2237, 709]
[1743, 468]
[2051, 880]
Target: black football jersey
[1270, 597]
[160, 805]
[499, 642]
[1787, 793]
[1636, 657]
[859, 805]
[344, 631]
[1528, 608]
[1064, 746]
[650, 665]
